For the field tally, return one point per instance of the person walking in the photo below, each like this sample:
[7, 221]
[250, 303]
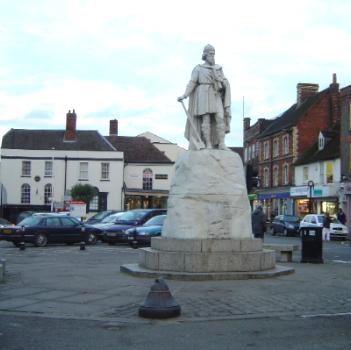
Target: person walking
[258, 220]
[326, 227]
[341, 216]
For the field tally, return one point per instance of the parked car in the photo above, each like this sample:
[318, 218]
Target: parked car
[107, 222]
[337, 229]
[288, 225]
[22, 215]
[44, 228]
[101, 215]
[141, 235]
[116, 233]
[4, 222]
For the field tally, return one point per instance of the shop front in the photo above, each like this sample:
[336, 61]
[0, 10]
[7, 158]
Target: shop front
[141, 199]
[321, 199]
[276, 203]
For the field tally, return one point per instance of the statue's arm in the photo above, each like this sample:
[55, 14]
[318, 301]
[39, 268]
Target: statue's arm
[191, 85]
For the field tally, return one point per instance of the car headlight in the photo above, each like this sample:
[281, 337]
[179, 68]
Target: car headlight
[290, 226]
[142, 233]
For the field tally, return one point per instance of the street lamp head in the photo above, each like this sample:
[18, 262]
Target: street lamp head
[310, 183]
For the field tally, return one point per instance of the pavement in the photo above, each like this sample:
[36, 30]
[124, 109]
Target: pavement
[64, 282]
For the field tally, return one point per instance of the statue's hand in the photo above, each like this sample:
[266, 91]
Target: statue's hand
[181, 98]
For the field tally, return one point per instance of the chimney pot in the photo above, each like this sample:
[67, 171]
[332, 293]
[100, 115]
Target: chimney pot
[305, 90]
[114, 127]
[71, 120]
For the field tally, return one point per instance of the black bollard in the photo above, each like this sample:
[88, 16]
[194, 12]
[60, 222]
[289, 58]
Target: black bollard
[22, 245]
[159, 303]
[82, 245]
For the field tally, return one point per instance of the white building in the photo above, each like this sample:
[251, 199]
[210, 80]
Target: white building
[39, 167]
[317, 174]
[147, 170]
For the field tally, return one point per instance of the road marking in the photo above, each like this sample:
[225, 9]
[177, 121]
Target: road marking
[341, 261]
[327, 315]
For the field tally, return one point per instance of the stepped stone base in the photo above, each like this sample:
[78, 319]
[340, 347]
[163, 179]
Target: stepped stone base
[201, 259]
[206, 255]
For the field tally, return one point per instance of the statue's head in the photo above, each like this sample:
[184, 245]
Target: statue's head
[209, 50]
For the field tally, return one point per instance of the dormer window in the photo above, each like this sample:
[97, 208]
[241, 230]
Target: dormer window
[321, 142]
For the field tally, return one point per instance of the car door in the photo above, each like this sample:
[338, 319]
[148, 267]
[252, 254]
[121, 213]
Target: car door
[71, 230]
[53, 229]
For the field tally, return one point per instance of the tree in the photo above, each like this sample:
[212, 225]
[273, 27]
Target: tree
[83, 193]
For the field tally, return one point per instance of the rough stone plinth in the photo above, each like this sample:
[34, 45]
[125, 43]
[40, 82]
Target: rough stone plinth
[208, 197]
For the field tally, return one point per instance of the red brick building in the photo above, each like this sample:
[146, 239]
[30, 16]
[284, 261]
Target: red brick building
[287, 137]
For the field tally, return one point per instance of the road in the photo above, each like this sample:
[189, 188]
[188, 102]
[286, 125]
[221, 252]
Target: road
[59, 297]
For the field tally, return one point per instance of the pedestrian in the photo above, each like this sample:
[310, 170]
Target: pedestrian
[341, 216]
[258, 220]
[326, 227]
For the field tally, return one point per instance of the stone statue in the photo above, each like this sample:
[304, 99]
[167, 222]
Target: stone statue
[209, 104]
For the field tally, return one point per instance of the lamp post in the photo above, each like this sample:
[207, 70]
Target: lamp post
[310, 185]
[52, 176]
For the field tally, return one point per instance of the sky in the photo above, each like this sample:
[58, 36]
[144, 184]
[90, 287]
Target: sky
[130, 60]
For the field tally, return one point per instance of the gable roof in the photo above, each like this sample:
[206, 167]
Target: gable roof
[138, 149]
[290, 117]
[86, 140]
[330, 151]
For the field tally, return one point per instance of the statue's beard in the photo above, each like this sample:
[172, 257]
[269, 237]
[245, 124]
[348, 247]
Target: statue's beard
[211, 61]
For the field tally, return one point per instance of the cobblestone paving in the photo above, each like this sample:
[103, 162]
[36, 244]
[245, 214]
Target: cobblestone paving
[62, 281]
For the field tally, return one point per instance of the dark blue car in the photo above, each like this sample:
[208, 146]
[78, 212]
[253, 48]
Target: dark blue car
[44, 228]
[141, 235]
[117, 232]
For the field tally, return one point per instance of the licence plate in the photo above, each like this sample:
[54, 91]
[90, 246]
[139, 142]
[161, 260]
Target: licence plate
[8, 232]
[130, 238]
[110, 234]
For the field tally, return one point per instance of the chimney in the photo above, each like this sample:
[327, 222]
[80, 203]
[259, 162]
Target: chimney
[335, 101]
[304, 91]
[71, 120]
[114, 127]
[247, 123]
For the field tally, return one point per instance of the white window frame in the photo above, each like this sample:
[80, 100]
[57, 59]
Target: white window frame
[48, 194]
[105, 171]
[26, 168]
[286, 174]
[147, 179]
[276, 176]
[83, 171]
[265, 177]
[48, 168]
[25, 194]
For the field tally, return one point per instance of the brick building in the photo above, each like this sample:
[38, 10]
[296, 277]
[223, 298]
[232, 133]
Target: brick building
[287, 137]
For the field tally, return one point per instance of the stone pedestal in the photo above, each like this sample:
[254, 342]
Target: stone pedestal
[206, 255]
[207, 232]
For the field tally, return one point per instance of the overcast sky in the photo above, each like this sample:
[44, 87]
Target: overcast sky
[130, 60]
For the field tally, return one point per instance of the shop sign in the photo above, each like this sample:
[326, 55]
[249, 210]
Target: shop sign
[299, 191]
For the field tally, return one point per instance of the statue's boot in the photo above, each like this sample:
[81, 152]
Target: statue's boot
[206, 131]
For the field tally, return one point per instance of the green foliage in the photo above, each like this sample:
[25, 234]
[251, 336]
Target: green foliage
[83, 192]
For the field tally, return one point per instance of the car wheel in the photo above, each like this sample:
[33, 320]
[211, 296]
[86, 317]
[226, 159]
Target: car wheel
[111, 243]
[40, 240]
[134, 244]
[92, 238]
[273, 231]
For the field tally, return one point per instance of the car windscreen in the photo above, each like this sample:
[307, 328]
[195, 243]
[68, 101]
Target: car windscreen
[132, 216]
[320, 219]
[292, 218]
[156, 221]
[111, 218]
[30, 221]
